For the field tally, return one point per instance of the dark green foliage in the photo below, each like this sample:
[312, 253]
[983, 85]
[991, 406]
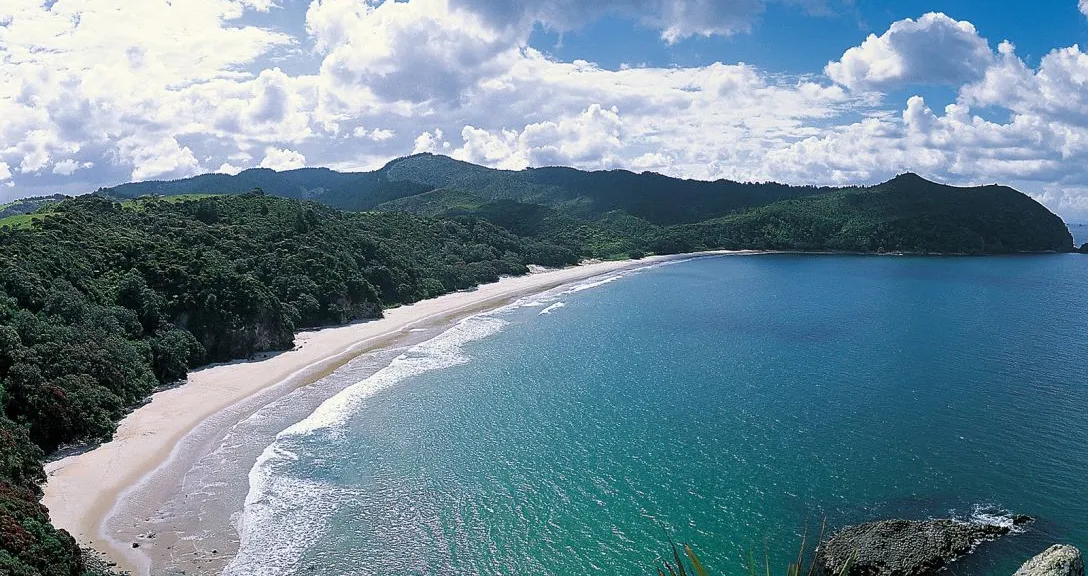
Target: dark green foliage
[28, 544]
[432, 185]
[907, 214]
[586, 195]
[101, 302]
[612, 214]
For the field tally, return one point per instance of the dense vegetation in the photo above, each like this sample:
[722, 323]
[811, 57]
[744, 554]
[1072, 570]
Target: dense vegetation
[907, 214]
[100, 303]
[102, 300]
[615, 213]
[428, 184]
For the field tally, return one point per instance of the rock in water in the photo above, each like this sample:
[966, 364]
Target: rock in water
[901, 547]
[1058, 560]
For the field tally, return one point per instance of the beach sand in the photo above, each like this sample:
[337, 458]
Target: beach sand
[109, 496]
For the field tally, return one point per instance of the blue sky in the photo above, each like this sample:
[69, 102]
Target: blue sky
[98, 92]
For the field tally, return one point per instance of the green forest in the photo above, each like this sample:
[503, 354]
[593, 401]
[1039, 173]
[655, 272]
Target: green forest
[100, 303]
[105, 297]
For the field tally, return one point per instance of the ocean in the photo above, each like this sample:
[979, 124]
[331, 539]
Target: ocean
[731, 403]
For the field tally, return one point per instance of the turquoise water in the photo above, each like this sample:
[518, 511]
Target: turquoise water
[724, 401]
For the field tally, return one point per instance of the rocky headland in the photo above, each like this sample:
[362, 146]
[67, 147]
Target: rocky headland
[904, 547]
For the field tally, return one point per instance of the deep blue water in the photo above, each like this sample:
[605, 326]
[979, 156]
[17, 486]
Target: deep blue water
[724, 401]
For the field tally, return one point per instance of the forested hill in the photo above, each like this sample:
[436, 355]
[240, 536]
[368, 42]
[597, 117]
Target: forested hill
[618, 212]
[906, 214]
[430, 184]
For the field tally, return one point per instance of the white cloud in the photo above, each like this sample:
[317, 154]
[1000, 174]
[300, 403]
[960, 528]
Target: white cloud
[1056, 91]
[381, 134]
[375, 135]
[430, 142]
[228, 168]
[935, 49]
[280, 159]
[592, 139]
[84, 79]
[68, 166]
[133, 92]
[413, 51]
[1083, 5]
[156, 157]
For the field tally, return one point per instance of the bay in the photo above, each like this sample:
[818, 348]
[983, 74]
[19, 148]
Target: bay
[724, 402]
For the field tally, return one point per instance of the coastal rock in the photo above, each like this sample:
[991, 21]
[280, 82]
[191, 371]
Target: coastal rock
[901, 547]
[1058, 560]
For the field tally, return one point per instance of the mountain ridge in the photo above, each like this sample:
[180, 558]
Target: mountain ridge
[916, 214]
[907, 213]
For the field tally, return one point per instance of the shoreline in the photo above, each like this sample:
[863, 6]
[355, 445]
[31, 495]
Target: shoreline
[157, 444]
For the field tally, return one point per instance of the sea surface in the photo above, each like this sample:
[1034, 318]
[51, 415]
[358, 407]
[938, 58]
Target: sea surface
[726, 402]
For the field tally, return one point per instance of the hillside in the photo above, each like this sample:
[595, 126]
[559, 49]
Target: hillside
[582, 210]
[906, 214]
[430, 184]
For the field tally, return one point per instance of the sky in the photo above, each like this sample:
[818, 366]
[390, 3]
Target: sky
[99, 92]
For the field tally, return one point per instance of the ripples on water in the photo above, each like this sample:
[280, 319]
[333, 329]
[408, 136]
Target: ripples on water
[725, 401]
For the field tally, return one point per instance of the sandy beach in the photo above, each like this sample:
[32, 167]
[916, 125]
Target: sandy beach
[128, 477]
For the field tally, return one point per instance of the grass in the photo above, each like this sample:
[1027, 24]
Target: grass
[22, 220]
[141, 202]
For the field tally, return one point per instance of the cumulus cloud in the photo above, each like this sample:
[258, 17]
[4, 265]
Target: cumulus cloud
[143, 97]
[415, 51]
[935, 49]
[69, 166]
[592, 139]
[154, 156]
[1056, 91]
[280, 159]
[1083, 5]
[228, 168]
[118, 79]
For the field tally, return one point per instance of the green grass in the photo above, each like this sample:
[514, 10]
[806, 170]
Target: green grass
[22, 220]
[142, 202]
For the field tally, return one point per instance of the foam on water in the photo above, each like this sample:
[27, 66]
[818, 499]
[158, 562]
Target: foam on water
[989, 515]
[440, 352]
[552, 308]
[285, 514]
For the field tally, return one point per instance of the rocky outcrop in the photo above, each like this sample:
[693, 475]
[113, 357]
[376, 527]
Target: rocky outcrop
[901, 547]
[1058, 560]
